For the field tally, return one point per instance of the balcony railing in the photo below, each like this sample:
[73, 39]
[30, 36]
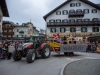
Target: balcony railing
[7, 27]
[8, 33]
[88, 23]
[76, 14]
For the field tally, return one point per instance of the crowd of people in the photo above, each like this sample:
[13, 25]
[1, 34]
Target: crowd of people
[7, 48]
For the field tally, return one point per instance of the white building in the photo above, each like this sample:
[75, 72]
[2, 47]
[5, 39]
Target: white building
[79, 18]
[3, 13]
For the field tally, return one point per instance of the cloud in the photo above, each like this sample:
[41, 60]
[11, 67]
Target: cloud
[22, 11]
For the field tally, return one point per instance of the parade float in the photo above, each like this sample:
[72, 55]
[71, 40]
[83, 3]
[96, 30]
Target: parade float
[72, 45]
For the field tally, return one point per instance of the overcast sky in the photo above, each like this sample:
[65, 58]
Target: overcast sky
[21, 11]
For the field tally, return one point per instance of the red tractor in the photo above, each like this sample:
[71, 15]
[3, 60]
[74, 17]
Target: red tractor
[31, 51]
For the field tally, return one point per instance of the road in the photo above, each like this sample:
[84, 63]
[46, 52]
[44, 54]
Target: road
[50, 66]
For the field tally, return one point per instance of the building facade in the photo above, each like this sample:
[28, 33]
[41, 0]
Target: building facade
[80, 18]
[7, 30]
[24, 31]
[3, 13]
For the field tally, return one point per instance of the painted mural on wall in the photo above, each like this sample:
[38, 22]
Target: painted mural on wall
[30, 30]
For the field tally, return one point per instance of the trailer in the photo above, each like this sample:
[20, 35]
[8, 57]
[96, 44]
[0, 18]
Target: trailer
[69, 48]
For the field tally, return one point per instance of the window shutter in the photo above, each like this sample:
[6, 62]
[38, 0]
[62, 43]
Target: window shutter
[50, 29]
[70, 29]
[64, 29]
[81, 29]
[86, 29]
[93, 29]
[97, 29]
[55, 29]
[74, 29]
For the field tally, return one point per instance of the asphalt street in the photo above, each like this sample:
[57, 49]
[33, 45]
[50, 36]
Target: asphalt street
[50, 66]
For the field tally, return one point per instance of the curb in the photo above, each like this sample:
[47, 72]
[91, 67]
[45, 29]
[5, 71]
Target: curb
[62, 70]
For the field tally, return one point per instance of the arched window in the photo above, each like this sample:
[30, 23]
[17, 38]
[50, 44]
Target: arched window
[72, 29]
[78, 10]
[72, 11]
[95, 29]
[83, 29]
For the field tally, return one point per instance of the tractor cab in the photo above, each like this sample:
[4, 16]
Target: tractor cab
[37, 41]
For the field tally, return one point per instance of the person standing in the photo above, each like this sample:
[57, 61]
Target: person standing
[10, 51]
[5, 48]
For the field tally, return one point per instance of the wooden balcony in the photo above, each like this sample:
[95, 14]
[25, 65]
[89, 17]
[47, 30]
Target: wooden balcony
[76, 14]
[7, 27]
[83, 23]
[8, 33]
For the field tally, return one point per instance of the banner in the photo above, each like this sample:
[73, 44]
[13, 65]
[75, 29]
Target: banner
[73, 48]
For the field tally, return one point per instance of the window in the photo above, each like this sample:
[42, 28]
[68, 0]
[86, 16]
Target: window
[86, 19]
[58, 20]
[62, 30]
[53, 30]
[83, 29]
[58, 13]
[72, 4]
[95, 29]
[72, 20]
[78, 4]
[94, 10]
[72, 11]
[52, 20]
[98, 19]
[72, 29]
[65, 20]
[17, 35]
[10, 31]
[5, 30]
[86, 11]
[95, 19]
[79, 20]
[65, 12]
[17, 30]
[9, 35]
[78, 10]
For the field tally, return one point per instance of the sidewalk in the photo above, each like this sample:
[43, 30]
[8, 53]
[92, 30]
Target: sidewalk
[83, 67]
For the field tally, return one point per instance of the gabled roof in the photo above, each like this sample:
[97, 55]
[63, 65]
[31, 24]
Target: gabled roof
[4, 8]
[85, 1]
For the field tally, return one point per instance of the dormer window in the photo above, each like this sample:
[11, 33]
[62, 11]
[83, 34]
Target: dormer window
[72, 4]
[94, 10]
[58, 13]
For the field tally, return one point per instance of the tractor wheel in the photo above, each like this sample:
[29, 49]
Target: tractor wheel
[71, 54]
[30, 57]
[45, 53]
[16, 56]
[66, 53]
